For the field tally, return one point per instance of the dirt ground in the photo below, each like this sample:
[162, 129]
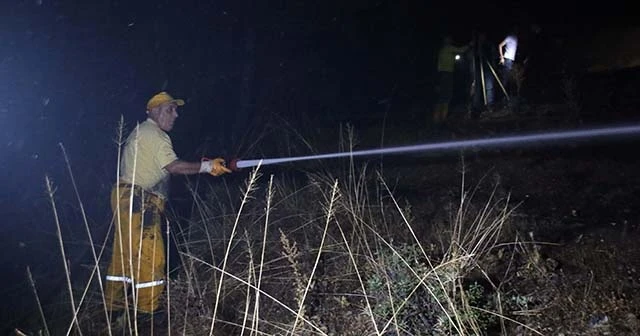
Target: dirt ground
[573, 267]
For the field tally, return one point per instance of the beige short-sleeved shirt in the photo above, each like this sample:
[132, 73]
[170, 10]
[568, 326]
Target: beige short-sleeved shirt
[154, 152]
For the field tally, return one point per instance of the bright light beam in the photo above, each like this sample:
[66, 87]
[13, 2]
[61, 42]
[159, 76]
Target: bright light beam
[504, 141]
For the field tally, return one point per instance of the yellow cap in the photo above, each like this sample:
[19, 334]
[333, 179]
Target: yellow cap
[162, 98]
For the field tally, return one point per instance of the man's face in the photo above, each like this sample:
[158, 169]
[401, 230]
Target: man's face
[165, 115]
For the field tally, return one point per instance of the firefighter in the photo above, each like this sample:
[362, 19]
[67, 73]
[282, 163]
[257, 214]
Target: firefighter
[446, 64]
[138, 200]
[507, 50]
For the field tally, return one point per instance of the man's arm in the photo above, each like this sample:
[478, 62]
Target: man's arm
[500, 46]
[214, 167]
[183, 167]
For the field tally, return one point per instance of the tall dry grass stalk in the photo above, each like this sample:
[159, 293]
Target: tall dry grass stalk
[96, 257]
[40, 311]
[250, 187]
[51, 192]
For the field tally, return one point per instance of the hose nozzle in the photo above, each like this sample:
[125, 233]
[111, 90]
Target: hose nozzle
[233, 165]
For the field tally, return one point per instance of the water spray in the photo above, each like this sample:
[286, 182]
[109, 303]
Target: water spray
[505, 141]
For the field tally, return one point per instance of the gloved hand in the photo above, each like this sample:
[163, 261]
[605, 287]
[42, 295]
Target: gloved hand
[215, 167]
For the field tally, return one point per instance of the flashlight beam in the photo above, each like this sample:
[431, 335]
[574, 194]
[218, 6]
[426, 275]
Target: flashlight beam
[505, 141]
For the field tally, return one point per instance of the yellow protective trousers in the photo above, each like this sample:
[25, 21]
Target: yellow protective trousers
[137, 267]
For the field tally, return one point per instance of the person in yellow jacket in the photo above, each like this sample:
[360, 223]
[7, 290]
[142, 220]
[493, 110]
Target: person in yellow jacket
[137, 265]
[446, 64]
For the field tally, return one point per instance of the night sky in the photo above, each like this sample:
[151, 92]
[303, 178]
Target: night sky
[70, 69]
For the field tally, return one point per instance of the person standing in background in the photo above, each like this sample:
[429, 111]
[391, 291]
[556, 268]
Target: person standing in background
[507, 50]
[446, 65]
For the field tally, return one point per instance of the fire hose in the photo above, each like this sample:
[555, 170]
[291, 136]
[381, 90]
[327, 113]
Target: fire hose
[480, 143]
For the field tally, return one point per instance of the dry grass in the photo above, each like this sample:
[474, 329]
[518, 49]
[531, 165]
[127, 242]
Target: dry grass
[337, 255]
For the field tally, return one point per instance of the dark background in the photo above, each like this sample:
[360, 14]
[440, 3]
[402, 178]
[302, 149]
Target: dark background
[70, 69]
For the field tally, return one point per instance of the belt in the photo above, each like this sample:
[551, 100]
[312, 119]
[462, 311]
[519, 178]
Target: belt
[149, 198]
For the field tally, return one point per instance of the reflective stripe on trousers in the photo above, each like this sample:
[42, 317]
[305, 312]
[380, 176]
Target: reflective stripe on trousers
[129, 280]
